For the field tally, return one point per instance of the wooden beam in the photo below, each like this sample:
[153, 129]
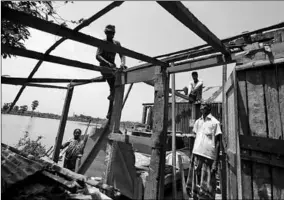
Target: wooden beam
[61, 128]
[226, 40]
[266, 145]
[22, 81]
[181, 13]
[111, 125]
[54, 59]
[127, 94]
[39, 85]
[130, 139]
[155, 180]
[57, 43]
[43, 25]
[214, 60]
[93, 80]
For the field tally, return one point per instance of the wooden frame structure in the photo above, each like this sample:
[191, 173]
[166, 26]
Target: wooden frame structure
[241, 49]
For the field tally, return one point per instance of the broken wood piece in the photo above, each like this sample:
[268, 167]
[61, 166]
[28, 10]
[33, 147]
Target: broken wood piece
[130, 139]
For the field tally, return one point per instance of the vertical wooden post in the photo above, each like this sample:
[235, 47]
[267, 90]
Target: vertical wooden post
[61, 129]
[150, 117]
[144, 114]
[174, 136]
[155, 180]
[223, 178]
[114, 126]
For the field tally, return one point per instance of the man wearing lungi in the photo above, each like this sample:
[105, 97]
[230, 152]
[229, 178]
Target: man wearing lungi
[201, 182]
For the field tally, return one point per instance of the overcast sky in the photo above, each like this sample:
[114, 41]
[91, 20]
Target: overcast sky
[144, 27]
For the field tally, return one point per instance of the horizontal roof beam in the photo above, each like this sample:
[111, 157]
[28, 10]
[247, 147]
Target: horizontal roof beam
[49, 58]
[226, 40]
[181, 13]
[21, 81]
[43, 25]
[38, 85]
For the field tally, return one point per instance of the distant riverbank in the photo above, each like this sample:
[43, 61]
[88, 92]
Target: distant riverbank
[77, 118]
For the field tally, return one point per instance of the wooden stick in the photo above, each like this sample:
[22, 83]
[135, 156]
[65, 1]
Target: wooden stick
[61, 129]
[40, 86]
[127, 94]
[184, 192]
[174, 189]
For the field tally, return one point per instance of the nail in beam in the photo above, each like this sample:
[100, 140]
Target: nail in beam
[155, 180]
[62, 125]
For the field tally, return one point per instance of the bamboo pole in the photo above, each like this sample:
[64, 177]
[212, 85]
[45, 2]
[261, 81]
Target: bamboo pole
[62, 125]
[174, 138]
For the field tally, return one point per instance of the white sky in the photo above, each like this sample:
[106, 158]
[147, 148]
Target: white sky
[144, 27]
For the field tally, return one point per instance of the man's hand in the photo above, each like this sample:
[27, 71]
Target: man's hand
[122, 66]
[185, 90]
[111, 65]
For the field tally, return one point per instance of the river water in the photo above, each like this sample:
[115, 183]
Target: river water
[15, 126]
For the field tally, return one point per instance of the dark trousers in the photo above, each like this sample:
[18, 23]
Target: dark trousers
[111, 82]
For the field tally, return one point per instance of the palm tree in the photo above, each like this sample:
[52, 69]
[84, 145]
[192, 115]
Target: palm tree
[34, 104]
[23, 108]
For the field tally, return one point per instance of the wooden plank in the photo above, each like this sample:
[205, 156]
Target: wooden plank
[181, 13]
[139, 75]
[183, 184]
[21, 81]
[40, 85]
[244, 130]
[61, 128]
[130, 139]
[43, 25]
[280, 84]
[278, 184]
[274, 125]
[238, 151]
[53, 59]
[266, 145]
[155, 181]
[271, 160]
[258, 127]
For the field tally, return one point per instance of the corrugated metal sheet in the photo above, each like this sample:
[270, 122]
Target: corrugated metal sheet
[15, 167]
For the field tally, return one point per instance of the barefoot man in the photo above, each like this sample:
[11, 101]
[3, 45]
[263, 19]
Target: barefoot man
[107, 59]
[201, 182]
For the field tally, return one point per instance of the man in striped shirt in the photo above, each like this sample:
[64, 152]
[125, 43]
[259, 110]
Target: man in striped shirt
[74, 150]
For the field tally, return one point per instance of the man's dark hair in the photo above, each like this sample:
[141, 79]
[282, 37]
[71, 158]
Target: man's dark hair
[77, 129]
[110, 28]
[194, 74]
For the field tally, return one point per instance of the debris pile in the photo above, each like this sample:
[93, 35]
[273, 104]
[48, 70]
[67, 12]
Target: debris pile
[25, 177]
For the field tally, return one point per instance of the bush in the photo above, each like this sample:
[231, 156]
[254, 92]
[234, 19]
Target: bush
[32, 147]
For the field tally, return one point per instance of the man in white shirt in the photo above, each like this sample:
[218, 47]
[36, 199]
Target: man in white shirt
[201, 182]
[195, 89]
